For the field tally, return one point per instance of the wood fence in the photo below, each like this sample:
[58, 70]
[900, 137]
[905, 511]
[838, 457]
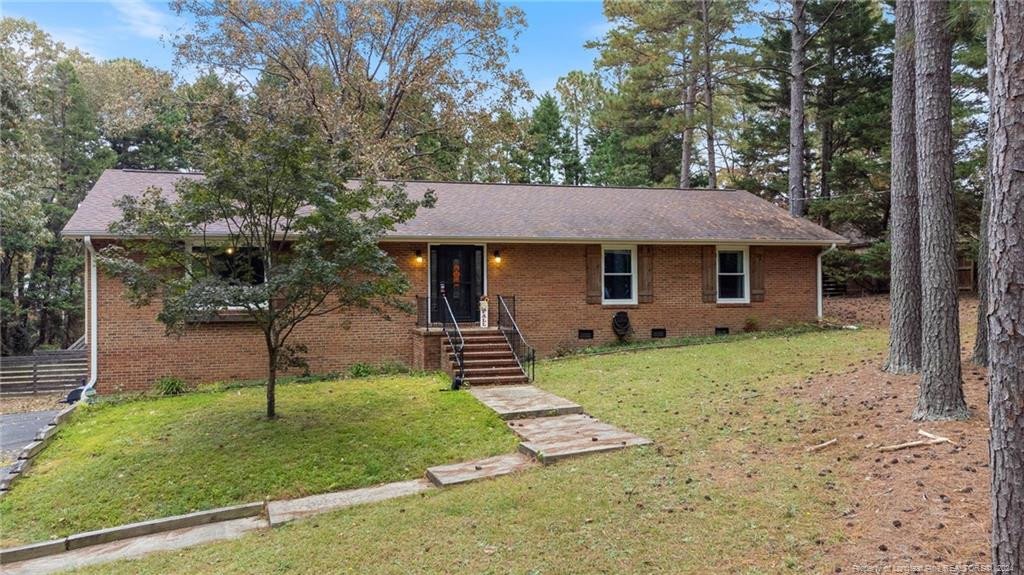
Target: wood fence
[44, 371]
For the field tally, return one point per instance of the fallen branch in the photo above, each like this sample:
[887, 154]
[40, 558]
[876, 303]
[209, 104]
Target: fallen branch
[821, 446]
[932, 440]
[909, 444]
[937, 438]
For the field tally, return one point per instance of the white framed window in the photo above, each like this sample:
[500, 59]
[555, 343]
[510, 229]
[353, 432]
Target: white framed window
[732, 275]
[618, 274]
[240, 265]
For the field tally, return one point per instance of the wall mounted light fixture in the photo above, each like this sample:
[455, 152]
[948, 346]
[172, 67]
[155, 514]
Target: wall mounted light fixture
[419, 256]
[497, 256]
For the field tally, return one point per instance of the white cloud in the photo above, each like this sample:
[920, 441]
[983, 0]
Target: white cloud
[142, 19]
[87, 41]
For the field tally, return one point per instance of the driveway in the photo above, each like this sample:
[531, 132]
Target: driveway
[18, 430]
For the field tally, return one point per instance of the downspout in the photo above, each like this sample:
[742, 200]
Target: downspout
[88, 391]
[821, 297]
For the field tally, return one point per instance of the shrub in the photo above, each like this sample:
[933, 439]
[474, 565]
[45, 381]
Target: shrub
[169, 385]
[367, 370]
[751, 324]
[360, 370]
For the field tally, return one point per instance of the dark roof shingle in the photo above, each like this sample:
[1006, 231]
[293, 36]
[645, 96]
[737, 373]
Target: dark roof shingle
[528, 212]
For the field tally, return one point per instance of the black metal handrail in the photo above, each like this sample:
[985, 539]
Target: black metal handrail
[525, 355]
[457, 343]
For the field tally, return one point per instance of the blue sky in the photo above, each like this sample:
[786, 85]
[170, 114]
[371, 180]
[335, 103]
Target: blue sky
[551, 45]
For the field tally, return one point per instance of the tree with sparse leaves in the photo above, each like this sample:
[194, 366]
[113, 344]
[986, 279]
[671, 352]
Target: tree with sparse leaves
[274, 230]
[364, 69]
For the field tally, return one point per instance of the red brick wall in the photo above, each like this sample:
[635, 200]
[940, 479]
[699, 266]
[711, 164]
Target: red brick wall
[134, 350]
[548, 281]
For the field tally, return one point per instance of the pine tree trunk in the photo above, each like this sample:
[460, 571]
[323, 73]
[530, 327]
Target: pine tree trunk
[980, 355]
[942, 395]
[709, 95]
[905, 266]
[1006, 285]
[686, 161]
[797, 85]
[827, 122]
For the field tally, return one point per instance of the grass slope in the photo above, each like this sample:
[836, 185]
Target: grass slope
[119, 463]
[727, 487]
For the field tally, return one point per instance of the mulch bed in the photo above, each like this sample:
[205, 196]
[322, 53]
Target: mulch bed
[920, 509]
[25, 403]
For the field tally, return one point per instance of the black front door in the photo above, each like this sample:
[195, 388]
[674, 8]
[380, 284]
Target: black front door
[459, 269]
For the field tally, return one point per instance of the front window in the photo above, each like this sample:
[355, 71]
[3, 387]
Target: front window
[732, 275]
[619, 274]
[242, 266]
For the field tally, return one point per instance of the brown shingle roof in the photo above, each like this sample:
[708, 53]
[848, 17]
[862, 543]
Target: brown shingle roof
[528, 212]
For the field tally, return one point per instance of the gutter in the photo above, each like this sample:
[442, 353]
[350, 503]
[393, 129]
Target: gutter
[93, 306]
[821, 298]
[421, 238]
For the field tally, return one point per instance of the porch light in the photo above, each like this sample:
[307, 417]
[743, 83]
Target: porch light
[419, 256]
[230, 251]
[497, 256]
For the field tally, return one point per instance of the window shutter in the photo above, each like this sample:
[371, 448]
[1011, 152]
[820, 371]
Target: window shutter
[594, 273]
[645, 273]
[756, 273]
[709, 285]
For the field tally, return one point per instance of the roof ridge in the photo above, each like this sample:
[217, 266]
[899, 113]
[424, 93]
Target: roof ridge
[146, 171]
[542, 185]
[468, 183]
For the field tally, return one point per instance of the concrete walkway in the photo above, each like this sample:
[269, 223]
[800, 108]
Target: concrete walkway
[552, 427]
[137, 547]
[518, 401]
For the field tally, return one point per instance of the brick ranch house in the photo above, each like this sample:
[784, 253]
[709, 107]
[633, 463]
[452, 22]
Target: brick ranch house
[564, 260]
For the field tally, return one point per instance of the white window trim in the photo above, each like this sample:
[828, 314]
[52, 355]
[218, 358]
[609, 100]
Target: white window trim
[632, 273]
[746, 273]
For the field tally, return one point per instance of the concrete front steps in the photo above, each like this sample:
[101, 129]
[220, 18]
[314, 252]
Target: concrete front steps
[487, 358]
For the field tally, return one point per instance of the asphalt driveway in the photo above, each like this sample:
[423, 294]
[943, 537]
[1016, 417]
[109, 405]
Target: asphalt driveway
[17, 430]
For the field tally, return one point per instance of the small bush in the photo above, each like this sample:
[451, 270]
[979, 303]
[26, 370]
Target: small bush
[367, 370]
[360, 370]
[169, 385]
[751, 324]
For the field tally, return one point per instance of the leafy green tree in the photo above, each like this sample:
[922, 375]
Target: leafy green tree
[275, 229]
[675, 65]
[69, 131]
[848, 77]
[25, 175]
[141, 113]
[66, 117]
[550, 147]
[612, 163]
[580, 94]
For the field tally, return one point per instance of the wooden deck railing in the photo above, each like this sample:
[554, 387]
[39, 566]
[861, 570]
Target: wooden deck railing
[44, 371]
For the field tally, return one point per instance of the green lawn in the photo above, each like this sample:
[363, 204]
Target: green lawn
[119, 463]
[727, 487]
